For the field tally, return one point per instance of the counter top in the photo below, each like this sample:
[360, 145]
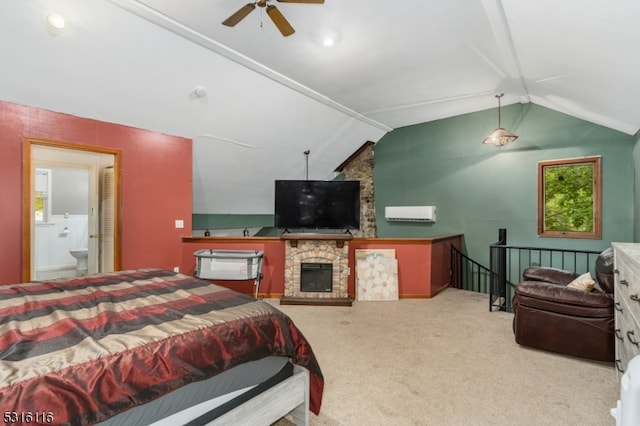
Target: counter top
[318, 236]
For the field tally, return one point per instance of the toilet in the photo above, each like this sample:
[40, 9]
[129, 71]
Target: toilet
[82, 255]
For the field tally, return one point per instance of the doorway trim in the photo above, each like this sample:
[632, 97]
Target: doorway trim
[27, 165]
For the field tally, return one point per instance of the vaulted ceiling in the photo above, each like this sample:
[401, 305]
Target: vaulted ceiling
[254, 101]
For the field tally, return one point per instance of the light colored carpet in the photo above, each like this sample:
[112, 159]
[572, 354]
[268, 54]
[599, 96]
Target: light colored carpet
[445, 361]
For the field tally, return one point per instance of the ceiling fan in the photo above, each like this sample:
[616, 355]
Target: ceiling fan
[278, 19]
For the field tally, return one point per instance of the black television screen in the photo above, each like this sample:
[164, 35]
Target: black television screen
[316, 204]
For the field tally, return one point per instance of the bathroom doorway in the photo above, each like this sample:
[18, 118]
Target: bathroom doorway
[71, 203]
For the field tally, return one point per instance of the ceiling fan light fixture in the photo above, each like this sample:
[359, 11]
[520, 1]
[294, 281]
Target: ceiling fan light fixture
[500, 136]
[276, 16]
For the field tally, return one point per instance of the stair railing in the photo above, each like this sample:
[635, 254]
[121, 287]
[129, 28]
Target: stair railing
[506, 265]
[467, 274]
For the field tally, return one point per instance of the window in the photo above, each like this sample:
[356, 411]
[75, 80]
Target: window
[42, 192]
[569, 198]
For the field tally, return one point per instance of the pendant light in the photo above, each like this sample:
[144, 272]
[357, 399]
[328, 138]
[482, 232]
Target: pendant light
[500, 137]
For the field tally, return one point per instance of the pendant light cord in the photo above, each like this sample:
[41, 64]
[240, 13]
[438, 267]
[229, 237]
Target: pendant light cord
[500, 95]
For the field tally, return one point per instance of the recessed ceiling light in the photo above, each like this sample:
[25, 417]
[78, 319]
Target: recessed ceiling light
[328, 41]
[327, 37]
[56, 22]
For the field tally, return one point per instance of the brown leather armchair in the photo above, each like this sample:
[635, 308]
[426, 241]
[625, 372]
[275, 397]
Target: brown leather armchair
[553, 317]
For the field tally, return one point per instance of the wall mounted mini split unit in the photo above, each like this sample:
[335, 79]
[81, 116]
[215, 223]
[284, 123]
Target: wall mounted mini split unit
[410, 213]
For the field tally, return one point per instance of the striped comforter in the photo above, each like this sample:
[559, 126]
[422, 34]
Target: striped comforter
[78, 351]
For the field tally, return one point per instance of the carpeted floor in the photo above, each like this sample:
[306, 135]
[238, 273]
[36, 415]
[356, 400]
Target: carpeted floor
[445, 361]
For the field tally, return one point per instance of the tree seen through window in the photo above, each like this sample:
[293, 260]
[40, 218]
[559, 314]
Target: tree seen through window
[569, 198]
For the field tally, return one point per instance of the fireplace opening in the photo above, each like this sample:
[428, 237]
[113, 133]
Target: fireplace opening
[316, 277]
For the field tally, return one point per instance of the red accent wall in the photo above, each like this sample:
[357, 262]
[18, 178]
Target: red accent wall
[423, 263]
[156, 184]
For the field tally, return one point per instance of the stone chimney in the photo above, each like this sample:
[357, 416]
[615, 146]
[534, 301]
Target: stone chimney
[359, 166]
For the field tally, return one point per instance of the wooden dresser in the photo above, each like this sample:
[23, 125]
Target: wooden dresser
[627, 303]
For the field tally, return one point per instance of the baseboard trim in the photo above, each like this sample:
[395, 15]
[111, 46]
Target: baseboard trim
[316, 301]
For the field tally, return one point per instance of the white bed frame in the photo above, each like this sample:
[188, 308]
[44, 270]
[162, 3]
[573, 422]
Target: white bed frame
[289, 396]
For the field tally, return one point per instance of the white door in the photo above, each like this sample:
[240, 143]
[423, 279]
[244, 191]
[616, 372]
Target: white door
[94, 220]
[107, 219]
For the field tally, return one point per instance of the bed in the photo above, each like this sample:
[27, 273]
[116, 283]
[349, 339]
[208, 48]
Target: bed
[150, 346]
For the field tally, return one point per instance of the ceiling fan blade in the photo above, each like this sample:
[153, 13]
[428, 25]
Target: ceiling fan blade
[239, 15]
[302, 1]
[279, 20]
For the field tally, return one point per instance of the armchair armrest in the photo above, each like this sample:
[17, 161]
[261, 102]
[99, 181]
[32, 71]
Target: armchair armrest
[549, 275]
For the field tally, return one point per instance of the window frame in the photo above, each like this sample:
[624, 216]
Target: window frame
[596, 163]
[46, 216]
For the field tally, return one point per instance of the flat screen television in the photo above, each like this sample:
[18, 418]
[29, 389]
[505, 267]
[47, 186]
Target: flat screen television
[316, 204]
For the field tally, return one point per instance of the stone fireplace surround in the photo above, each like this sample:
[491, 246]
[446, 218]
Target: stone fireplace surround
[316, 248]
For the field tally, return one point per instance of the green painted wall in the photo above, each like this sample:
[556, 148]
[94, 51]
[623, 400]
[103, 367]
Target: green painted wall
[230, 221]
[478, 188]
